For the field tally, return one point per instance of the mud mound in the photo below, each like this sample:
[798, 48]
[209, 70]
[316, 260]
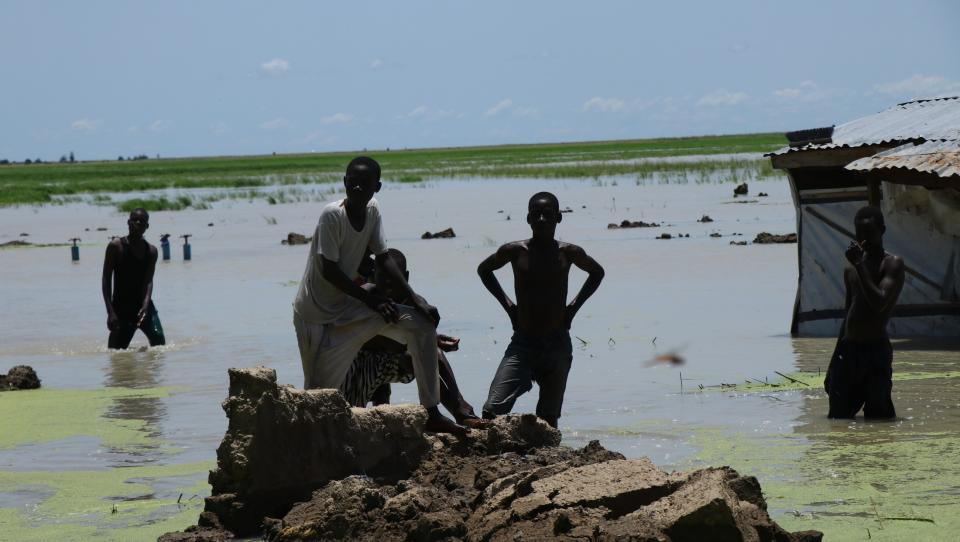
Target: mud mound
[302, 465]
[20, 377]
[765, 238]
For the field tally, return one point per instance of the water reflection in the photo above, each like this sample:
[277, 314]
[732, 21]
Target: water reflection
[137, 369]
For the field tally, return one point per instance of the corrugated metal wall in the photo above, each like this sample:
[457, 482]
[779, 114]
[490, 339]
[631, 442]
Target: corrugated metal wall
[920, 228]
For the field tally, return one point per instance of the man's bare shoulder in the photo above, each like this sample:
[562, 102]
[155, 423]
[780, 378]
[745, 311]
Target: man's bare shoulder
[514, 247]
[571, 248]
[892, 259]
[893, 263]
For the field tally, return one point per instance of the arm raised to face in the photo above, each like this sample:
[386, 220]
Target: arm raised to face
[881, 295]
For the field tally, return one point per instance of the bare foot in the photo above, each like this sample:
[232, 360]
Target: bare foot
[442, 424]
[476, 423]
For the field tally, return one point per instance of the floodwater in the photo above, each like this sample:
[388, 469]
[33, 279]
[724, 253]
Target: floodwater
[115, 439]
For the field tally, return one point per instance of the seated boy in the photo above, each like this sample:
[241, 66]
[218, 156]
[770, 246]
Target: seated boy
[333, 316]
[540, 349]
[382, 361]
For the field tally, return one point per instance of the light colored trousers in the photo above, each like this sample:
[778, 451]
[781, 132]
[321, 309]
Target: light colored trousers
[328, 350]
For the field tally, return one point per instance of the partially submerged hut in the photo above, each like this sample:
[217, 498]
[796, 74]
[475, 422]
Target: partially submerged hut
[906, 160]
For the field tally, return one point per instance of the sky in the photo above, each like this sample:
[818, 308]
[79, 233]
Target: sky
[186, 78]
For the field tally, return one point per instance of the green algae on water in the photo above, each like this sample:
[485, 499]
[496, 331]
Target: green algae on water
[136, 503]
[46, 415]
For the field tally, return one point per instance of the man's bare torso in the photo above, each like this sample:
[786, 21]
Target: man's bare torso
[540, 277]
[863, 322]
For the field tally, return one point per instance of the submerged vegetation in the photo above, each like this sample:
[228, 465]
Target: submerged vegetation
[52, 183]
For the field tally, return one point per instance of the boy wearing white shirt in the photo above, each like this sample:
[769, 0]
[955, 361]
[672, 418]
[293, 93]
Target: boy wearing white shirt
[334, 316]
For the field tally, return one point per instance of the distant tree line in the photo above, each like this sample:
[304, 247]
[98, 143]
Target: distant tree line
[64, 159]
[70, 159]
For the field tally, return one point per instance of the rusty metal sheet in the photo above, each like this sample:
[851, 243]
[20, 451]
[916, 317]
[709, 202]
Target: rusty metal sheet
[941, 158]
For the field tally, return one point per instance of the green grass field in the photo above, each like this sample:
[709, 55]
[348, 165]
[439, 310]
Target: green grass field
[45, 183]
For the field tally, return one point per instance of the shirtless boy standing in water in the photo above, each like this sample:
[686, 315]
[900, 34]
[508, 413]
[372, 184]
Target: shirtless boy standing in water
[540, 349]
[861, 371]
[127, 285]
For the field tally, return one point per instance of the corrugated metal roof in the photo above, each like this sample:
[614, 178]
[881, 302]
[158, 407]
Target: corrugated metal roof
[934, 119]
[941, 158]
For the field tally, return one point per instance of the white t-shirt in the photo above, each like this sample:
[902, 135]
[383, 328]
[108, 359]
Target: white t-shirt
[318, 301]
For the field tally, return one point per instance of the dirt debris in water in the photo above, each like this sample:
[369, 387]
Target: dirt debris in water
[294, 238]
[625, 224]
[302, 465]
[765, 238]
[20, 377]
[442, 234]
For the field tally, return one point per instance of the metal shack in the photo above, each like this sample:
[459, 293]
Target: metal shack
[905, 159]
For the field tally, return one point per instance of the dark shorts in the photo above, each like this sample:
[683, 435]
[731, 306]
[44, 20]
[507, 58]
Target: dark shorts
[121, 337]
[545, 361]
[861, 376]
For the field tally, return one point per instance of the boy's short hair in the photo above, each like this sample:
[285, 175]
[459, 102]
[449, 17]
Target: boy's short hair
[399, 258]
[363, 161]
[543, 195]
[141, 211]
[869, 212]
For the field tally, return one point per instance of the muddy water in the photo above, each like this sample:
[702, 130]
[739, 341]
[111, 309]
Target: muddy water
[115, 439]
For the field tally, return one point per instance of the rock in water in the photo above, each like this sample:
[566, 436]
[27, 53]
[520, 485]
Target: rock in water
[294, 238]
[442, 234]
[741, 190]
[301, 465]
[20, 377]
[764, 238]
[628, 224]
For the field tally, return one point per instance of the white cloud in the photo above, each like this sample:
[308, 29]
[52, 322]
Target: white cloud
[920, 86]
[376, 64]
[418, 112]
[604, 105]
[276, 66]
[86, 125]
[275, 124]
[500, 107]
[338, 118]
[424, 112]
[806, 91]
[507, 106]
[220, 128]
[159, 126]
[722, 97]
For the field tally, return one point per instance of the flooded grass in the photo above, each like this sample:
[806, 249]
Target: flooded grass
[44, 183]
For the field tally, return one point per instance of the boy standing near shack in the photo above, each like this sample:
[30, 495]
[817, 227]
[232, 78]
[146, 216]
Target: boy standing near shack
[334, 316]
[127, 285]
[861, 369]
[540, 349]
